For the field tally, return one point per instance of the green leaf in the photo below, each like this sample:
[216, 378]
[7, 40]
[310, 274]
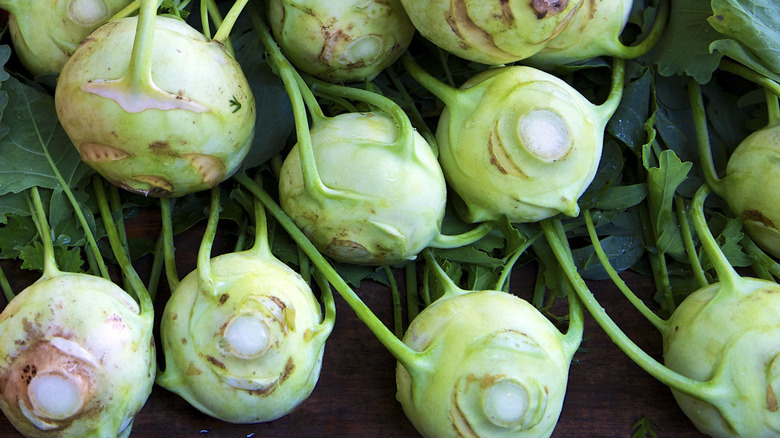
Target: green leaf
[13, 204]
[755, 25]
[662, 184]
[68, 259]
[684, 46]
[35, 137]
[627, 124]
[19, 231]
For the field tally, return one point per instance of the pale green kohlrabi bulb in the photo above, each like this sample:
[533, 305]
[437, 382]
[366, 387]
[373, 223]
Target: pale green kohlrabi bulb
[392, 193]
[496, 32]
[253, 351]
[186, 131]
[519, 142]
[77, 358]
[45, 33]
[750, 190]
[595, 31]
[340, 40]
[501, 368]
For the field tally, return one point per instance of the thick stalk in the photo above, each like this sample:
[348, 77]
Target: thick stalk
[694, 388]
[610, 105]
[142, 294]
[650, 40]
[42, 224]
[727, 275]
[206, 280]
[169, 249]
[690, 247]
[746, 73]
[703, 137]
[5, 285]
[657, 322]
[447, 94]
[408, 357]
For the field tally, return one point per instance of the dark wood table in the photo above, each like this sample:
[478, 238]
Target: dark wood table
[355, 396]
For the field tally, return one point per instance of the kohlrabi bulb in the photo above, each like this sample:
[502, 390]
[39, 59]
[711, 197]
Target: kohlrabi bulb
[340, 40]
[184, 127]
[252, 352]
[77, 358]
[749, 187]
[730, 337]
[45, 33]
[593, 31]
[496, 32]
[384, 199]
[501, 369]
[519, 142]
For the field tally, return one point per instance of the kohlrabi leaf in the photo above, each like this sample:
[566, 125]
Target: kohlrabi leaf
[662, 184]
[13, 204]
[623, 252]
[739, 53]
[18, 232]
[36, 141]
[684, 46]
[68, 259]
[627, 124]
[755, 25]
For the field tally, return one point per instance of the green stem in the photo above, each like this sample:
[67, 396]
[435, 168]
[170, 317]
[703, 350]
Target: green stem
[690, 247]
[727, 275]
[6, 286]
[169, 248]
[142, 294]
[140, 68]
[760, 257]
[703, 137]
[205, 280]
[116, 206]
[773, 109]
[657, 262]
[607, 109]
[204, 18]
[506, 271]
[414, 113]
[462, 239]
[224, 28]
[155, 273]
[657, 322]
[292, 84]
[398, 323]
[573, 337]
[747, 73]
[694, 388]
[408, 357]
[650, 40]
[447, 94]
[42, 224]
[412, 307]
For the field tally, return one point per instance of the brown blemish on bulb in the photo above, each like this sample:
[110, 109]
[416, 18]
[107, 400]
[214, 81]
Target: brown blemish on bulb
[213, 360]
[547, 8]
[289, 367]
[192, 370]
[757, 216]
[158, 147]
[97, 153]
[223, 298]
[771, 399]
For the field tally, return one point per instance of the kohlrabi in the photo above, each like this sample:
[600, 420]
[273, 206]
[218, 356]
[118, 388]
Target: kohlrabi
[340, 40]
[475, 363]
[155, 106]
[243, 335]
[492, 33]
[45, 33]
[518, 141]
[748, 185]
[594, 31]
[77, 356]
[721, 345]
[365, 187]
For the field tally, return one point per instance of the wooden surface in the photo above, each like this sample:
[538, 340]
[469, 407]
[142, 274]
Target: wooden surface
[355, 396]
